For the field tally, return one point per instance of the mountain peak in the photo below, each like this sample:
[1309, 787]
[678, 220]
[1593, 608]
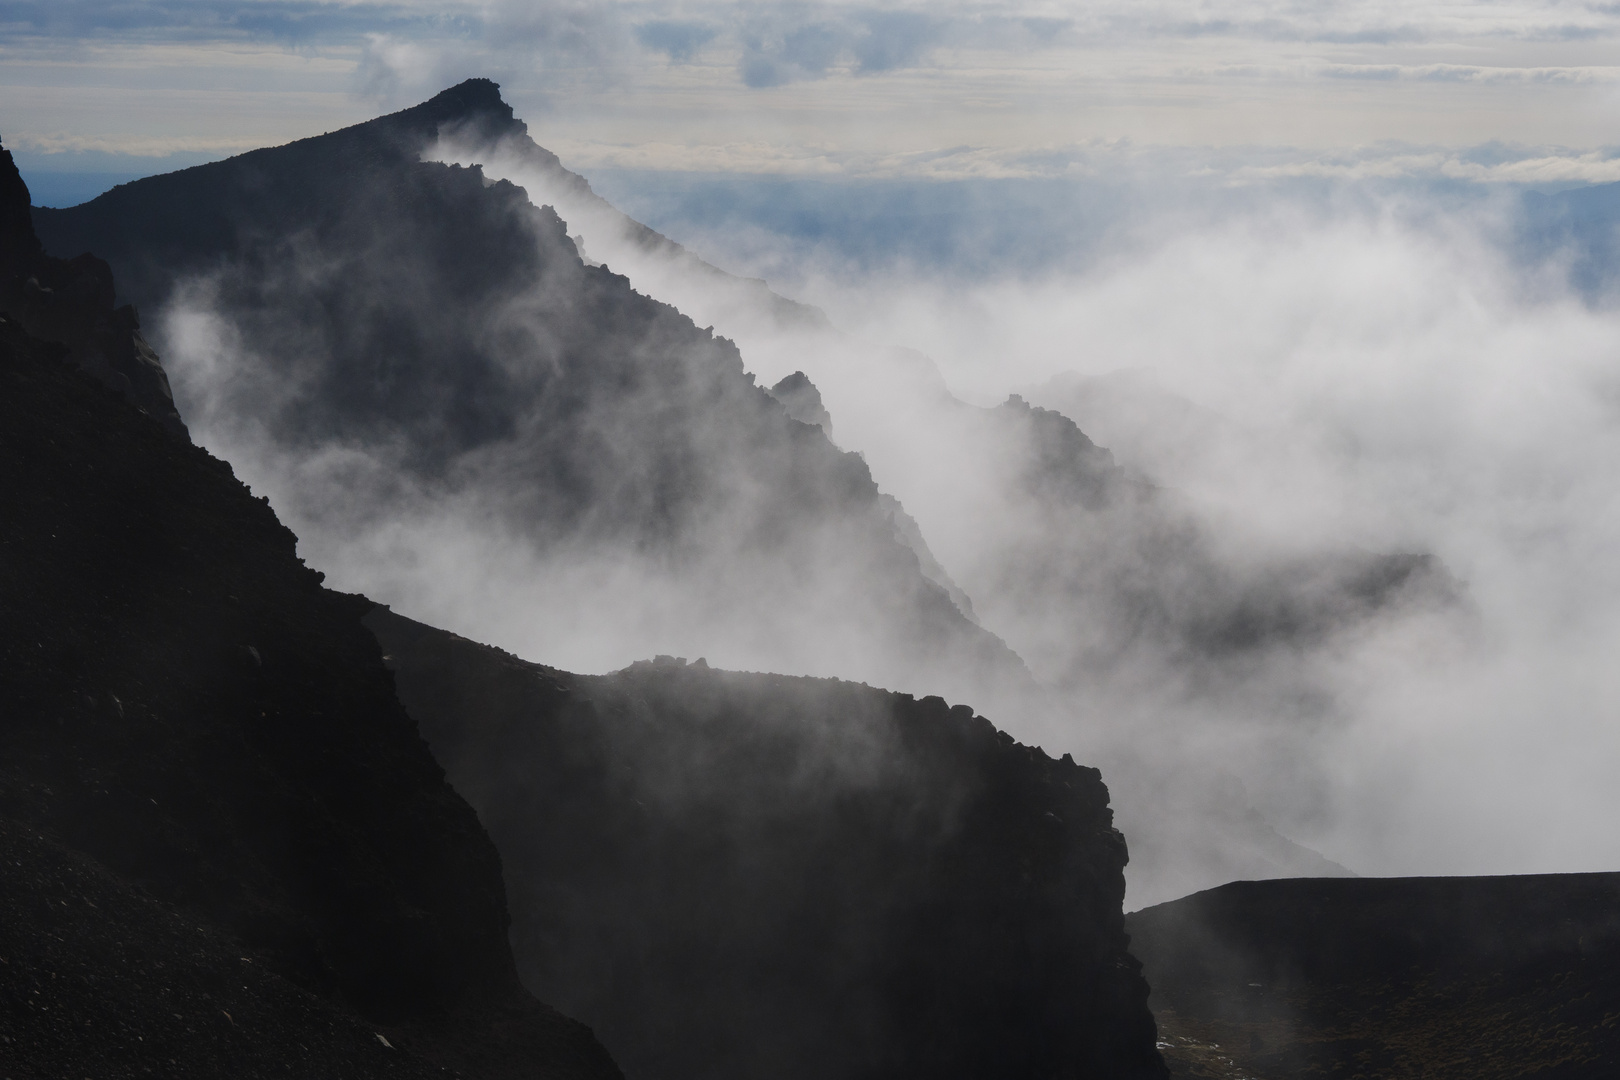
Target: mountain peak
[19, 246]
[474, 103]
[469, 98]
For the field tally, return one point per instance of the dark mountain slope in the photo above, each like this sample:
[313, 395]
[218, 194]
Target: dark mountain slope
[195, 734]
[402, 349]
[1467, 978]
[732, 875]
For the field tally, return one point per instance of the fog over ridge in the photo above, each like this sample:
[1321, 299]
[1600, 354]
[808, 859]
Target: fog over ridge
[1261, 492]
[1377, 371]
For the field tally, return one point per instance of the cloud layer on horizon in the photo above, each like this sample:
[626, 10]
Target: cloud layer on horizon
[690, 79]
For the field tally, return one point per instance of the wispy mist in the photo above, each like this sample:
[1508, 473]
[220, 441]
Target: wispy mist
[460, 416]
[1302, 377]
[1240, 494]
[1372, 373]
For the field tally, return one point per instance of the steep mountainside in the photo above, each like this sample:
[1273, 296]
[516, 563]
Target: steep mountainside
[1465, 978]
[732, 875]
[227, 851]
[420, 370]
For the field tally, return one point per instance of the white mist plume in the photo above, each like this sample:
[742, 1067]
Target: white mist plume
[519, 448]
[1400, 389]
[1301, 380]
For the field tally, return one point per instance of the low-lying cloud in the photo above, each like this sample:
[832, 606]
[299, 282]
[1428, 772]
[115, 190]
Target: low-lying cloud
[1310, 379]
[1351, 368]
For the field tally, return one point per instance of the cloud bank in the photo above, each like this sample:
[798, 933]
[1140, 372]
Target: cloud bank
[1311, 366]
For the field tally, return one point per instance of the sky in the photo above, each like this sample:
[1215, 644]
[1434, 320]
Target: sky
[1523, 91]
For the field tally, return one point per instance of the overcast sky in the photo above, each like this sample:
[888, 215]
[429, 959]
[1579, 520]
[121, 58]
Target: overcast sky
[1516, 90]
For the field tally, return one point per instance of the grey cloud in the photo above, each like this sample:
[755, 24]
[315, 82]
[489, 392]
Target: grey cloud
[774, 57]
[1292, 30]
[512, 42]
[1045, 29]
[779, 50]
[894, 39]
[680, 41]
[1373, 72]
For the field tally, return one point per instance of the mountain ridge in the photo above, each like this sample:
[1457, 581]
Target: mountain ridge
[436, 344]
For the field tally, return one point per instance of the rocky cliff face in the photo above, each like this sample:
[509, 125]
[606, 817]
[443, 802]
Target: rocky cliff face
[732, 875]
[428, 380]
[71, 302]
[1396, 977]
[228, 851]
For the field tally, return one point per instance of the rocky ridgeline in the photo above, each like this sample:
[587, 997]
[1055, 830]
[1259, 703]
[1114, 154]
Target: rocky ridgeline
[441, 336]
[224, 847]
[736, 875]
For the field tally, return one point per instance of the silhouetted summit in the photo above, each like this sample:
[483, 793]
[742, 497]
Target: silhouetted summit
[395, 349]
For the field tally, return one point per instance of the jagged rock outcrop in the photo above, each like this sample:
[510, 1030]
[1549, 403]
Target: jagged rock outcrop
[802, 401]
[1456, 978]
[71, 301]
[732, 875]
[227, 851]
[412, 360]
[1093, 565]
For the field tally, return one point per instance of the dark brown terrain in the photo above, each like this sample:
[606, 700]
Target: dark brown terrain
[737, 875]
[1494, 978]
[224, 848]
